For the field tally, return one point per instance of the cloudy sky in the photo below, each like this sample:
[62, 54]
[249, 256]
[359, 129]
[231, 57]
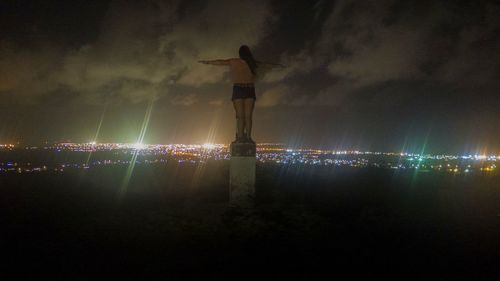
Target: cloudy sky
[380, 75]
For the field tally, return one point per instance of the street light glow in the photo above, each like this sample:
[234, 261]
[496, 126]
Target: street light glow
[208, 146]
[138, 146]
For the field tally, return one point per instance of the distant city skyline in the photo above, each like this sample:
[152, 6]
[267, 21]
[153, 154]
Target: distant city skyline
[99, 146]
[69, 156]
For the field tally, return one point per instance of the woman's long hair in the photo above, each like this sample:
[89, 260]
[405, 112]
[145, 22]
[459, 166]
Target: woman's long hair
[246, 55]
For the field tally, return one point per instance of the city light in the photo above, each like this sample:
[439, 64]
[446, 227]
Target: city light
[208, 146]
[106, 154]
[138, 146]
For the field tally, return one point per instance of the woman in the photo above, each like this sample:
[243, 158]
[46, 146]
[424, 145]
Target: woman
[243, 71]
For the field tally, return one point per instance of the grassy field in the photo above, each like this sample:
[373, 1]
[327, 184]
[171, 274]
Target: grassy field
[172, 222]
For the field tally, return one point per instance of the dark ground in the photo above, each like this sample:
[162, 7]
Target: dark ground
[173, 223]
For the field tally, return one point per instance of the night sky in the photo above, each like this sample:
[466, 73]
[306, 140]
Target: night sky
[377, 75]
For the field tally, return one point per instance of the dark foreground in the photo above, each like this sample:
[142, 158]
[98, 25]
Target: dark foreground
[172, 223]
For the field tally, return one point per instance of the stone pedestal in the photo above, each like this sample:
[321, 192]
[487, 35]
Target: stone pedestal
[242, 174]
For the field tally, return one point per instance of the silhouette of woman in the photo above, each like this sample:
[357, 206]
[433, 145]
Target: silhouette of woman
[243, 71]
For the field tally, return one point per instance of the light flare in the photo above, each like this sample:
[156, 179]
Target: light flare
[137, 148]
[94, 141]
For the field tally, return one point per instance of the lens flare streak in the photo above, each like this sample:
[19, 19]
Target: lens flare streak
[137, 148]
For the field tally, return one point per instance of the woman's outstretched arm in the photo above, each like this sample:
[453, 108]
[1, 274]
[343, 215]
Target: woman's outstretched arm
[215, 62]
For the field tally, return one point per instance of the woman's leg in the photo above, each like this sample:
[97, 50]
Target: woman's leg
[248, 109]
[240, 115]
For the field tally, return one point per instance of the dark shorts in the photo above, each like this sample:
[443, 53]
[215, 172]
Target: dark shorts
[243, 91]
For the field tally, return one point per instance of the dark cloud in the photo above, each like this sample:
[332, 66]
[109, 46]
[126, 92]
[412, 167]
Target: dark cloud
[370, 73]
[140, 46]
[66, 23]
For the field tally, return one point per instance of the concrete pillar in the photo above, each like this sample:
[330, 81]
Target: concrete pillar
[242, 174]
